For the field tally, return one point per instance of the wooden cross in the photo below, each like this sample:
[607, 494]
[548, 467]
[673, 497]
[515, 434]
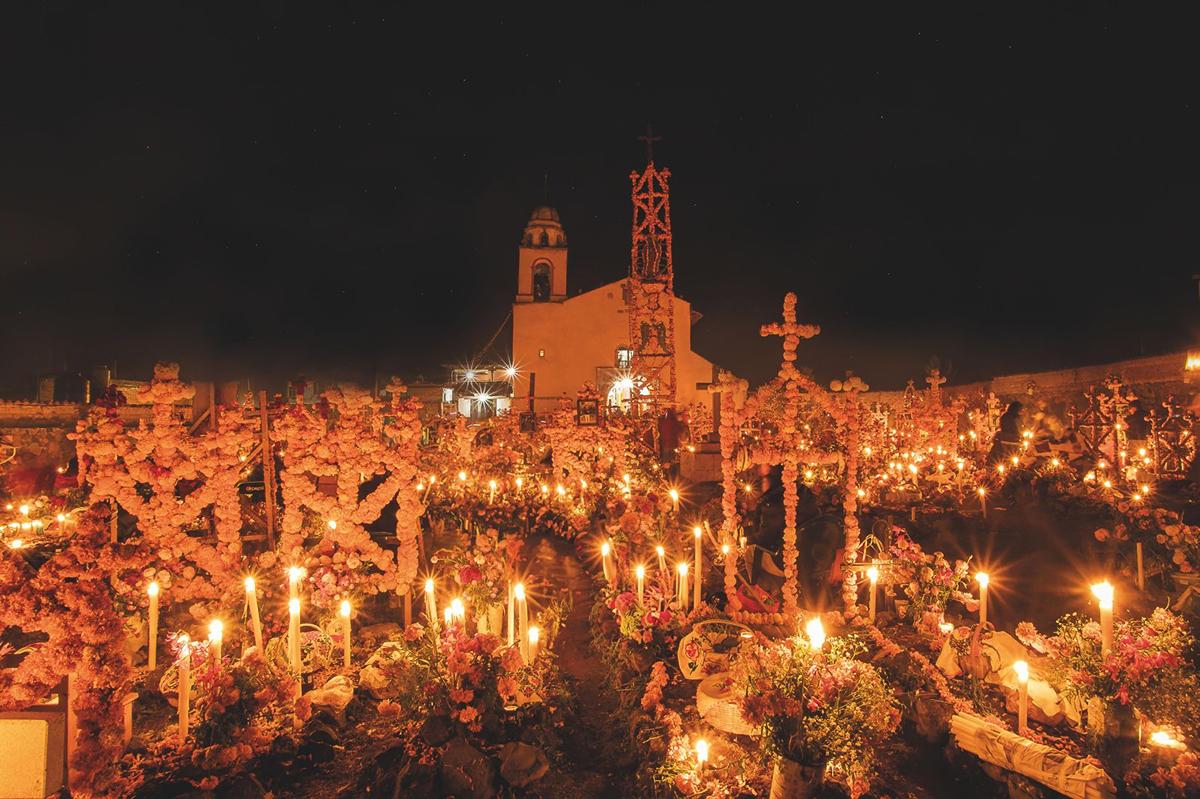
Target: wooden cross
[649, 139]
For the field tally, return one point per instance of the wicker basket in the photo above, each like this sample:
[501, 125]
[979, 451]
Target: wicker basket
[717, 704]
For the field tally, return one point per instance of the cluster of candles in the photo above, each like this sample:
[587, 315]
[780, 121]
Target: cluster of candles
[519, 631]
[216, 635]
[687, 599]
[494, 486]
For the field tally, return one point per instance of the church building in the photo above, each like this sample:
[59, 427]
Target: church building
[561, 342]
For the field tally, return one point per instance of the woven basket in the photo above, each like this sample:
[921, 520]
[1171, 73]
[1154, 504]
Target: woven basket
[717, 705]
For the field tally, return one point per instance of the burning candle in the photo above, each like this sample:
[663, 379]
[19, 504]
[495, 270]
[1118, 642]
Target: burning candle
[1141, 572]
[873, 579]
[294, 574]
[458, 612]
[216, 635]
[662, 557]
[511, 613]
[523, 616]
[682, 568]
[255, 621]
[639, 572]
[345, 613]
[491, 491]
[152, 633]
[698, 560]
[982, 579]
[431, 602]
[605, 551]
[674, 493]
[983, 501]
[534, 636]
[185, 685]
[294, 635]
[1022, 670]
[701, 755]
[1104, 593]
[816, 633]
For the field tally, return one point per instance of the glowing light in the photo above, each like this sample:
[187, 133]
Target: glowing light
[332, 524]
[639, 571]
[216, 630]
[429, 587]
[701, 751]
[432, 479]
[982, 579]
[152, 589]
[674, 494]
[519, 592]
[24, 510]
[462, 476]
[873, 574]
[344, 610]
[560, 489]
[510, 372]
[816, 633]
[981, 491]
[534, 635]
[16, 543]
[1165, 739]
[682, 568]
[249, 583]
[1022, 670]
[724, 549]
[520, 481]
[658, 550]
[294, 573]
[294, 606]
[605, 549]
[697, 532]
[60, 518]
[1104, 593]
[492, 485]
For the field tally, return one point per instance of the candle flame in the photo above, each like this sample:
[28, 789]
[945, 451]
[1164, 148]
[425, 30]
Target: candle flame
[519, 592]
[345, 609]
[249, 585]
[873, 574]
[152, 589]
[816, 633]
[605, 549]
[701, 751]
[697, 532]
[640, 571]
[1022, 670]
[216, 630]
[1104, 593]
[429, 585]
[534, 635]
[982, 578]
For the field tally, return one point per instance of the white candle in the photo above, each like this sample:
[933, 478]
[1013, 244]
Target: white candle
[152, 632]
[640, 572]
[345, 613]
[185, 685]
[255, 621]
[701, 755]
[458, 612]
[873, 579]
[523, 614]
[294, 635]
[1141, 573]
[491, 491]
[982, 579]
[431, 603]
[511, 614]
[983, 501]
[1022, 670]
[698, 560]
[674, 499]
[662, 557]
[216, 636]
[1104, 593]
[682, 568]
[534, 636]
[605, 550]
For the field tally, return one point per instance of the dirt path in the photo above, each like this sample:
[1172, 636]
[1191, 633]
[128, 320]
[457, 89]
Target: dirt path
[594, 745]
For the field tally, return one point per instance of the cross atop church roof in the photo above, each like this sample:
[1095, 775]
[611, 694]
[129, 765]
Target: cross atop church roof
[649, 138]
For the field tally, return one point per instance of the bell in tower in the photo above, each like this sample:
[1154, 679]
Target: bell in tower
[542, 259]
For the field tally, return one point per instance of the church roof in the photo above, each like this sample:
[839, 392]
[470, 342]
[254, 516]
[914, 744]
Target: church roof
[544, 213]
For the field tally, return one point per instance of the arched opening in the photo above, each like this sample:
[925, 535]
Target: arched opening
[541, 282]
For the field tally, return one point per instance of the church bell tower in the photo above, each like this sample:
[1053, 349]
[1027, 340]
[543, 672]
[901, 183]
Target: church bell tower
[542, 258]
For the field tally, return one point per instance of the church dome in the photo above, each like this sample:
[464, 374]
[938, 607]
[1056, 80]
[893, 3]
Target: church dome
[544, 229]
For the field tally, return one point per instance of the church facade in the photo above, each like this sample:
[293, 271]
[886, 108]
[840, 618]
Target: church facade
[561, 342]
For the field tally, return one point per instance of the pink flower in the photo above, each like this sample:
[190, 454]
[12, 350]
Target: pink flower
[468, 575]
[468, 714]
[1101, 534]
[413, 632]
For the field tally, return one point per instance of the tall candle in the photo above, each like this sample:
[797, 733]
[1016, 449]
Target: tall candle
[1022, 670]
[701, 756]
[640, 572]
[1141, 573]
[873, 579]
[185, 685]
[1104, 593]
[152, 632]
[662, 557]
[511, 614]
[983, 501]
[216, 636]
[605, 551]
[682, 568]
[491, 491]
[523, 615]
[431, 603]
[294, 635]
[345, 613]
[698, 560]
[816, 633]
[458, 612]
[255, 621]
[674, 499]
[534, 637]
[982, 579]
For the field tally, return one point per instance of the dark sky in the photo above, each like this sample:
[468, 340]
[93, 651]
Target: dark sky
[260, 190]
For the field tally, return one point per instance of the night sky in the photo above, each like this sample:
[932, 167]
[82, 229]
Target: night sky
[259, 191]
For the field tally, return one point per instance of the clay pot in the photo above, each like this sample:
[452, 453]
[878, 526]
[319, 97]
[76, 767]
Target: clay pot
[793, 780]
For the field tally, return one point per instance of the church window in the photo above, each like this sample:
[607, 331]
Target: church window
[624, 357]
[541, 282]
[543, 239]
